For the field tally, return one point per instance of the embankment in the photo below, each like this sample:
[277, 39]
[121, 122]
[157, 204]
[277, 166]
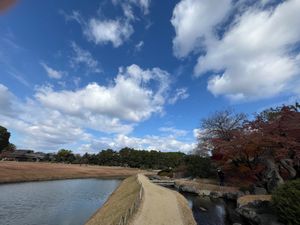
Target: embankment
[11, 172]
[137, 201]
[121, 205]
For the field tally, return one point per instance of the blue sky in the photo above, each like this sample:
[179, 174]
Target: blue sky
[140, 73]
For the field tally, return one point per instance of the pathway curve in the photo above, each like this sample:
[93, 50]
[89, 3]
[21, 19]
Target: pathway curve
[161, 206]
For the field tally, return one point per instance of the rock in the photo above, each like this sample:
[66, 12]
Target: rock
[250, 214]
[204, 192]
[236, 224]
[230, 196]
[260, 191]
[256, 209]
[186, 188]
[215, 194]
[203, 209]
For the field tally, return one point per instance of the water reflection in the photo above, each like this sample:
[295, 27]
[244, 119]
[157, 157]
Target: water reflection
[62, 202]
[207, 211]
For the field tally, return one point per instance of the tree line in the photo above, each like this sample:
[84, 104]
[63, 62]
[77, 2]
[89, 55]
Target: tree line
[189, 165]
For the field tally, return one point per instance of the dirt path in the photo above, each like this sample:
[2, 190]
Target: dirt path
[161, 206]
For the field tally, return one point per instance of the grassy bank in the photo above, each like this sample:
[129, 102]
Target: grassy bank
[119, 204]
[11, 172]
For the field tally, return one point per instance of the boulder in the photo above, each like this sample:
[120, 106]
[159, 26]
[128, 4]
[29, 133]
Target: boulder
[259, 191]
[256, 210]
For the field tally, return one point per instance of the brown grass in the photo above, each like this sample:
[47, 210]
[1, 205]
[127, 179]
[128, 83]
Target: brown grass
[118, 203]
[244, 200]
[207, 186]
[31, 171]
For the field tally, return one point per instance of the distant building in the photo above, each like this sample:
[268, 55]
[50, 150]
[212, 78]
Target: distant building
[23, 155]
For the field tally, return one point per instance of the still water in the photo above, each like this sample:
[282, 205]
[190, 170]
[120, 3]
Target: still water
[64, 202]
[207, 211]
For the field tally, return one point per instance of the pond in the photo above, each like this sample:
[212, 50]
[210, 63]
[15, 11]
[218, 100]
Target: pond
[62, 202]
[207, 211]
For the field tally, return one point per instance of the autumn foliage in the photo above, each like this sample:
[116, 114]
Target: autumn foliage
[265, 150]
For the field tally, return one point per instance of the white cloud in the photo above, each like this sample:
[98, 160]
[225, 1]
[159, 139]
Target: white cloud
[85, 58]
[196, 132]
[139, 46]
[139, 102]
[166, 144]
[255, 58]
[194, 21]
[115, 31]
[173, 131]
[44, 127]
[51, 120]
[5, 100]
[104, 31]
[52, 73]
[144, 5]
[180, 94]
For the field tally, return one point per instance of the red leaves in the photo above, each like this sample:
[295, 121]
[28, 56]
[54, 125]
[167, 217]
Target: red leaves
[277, 137]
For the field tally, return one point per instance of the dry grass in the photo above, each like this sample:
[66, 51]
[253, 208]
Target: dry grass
[244, 200]
[118, 203]
[186, 212]
[207, 186]
[30, 171]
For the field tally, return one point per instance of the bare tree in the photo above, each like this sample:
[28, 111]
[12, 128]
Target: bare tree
[220, 124]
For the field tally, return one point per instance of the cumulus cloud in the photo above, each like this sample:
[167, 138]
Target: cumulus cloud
[52, 73]
[166, 144]
[194, 22]
[180, 94]
[51, 119]
[83, 57]
[105, 31]
[257, 55]
[115, 31]
[139, 102]
[45, 122]
[39, 127]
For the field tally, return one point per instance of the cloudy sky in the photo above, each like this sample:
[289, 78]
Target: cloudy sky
[90, 75]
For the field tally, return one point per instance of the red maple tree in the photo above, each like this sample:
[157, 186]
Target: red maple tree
[265, 150]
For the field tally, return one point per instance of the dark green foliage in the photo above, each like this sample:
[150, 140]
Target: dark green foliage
[10, 147]
[126, 157]
[4, 138]
[198, 166]
[64, 155]
[286, 200]
[168, 162]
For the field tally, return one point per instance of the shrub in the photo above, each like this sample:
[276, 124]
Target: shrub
[286, 200]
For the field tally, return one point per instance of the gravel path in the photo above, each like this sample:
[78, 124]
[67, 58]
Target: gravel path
[161, 206]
